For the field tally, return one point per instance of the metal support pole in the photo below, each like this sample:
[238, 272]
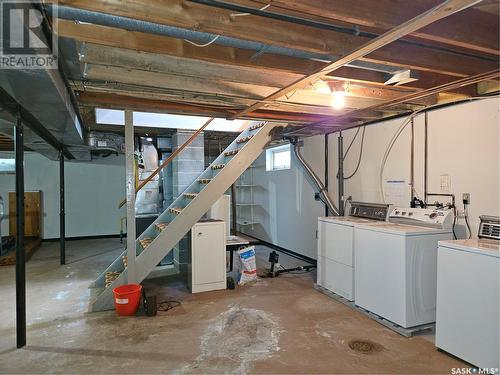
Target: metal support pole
[130, 184]
[20, 253]
[234, 213]
[426, 151]
[327, 211]
[341, 173]
[62, 213]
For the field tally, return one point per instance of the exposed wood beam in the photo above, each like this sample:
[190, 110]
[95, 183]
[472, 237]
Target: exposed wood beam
[184, 83]
[385, 14]
[115, 101]
[421, 94]
[370, 77]
[202, 18]
[424, 19]
[179, 66]
[114, 37]
[272, 64]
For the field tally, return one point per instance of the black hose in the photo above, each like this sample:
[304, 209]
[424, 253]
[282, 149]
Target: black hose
[360, 156]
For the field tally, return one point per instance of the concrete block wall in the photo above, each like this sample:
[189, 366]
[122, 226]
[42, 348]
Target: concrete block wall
[186, 168]
[189, 164]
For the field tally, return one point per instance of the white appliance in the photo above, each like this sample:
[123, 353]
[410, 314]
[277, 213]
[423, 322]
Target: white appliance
[335, 259]
[207, 266]
[221, 210]
[395, 265]
[468, 297]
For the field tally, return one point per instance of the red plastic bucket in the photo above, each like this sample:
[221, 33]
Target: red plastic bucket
[127, 299]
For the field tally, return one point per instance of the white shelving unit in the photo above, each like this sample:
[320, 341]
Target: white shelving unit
[245, 202]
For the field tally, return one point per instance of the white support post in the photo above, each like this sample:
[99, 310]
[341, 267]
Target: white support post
[130, 184]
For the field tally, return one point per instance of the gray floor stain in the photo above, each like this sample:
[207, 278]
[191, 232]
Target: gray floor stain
[235, 339]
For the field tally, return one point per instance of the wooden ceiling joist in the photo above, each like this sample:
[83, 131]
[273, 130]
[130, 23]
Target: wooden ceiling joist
[202, 18]
[114, 101]
[272, 65]
[386, 14]
[422, 94]
[424, 19]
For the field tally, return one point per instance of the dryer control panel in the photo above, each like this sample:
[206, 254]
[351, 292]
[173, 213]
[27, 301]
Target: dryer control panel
[424, 217]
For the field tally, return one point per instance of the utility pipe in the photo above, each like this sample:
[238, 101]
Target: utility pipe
[322, 190]
[341, 173]
[326, 169]
[105, 19]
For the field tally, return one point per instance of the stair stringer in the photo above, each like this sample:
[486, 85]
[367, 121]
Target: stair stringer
[164, 242]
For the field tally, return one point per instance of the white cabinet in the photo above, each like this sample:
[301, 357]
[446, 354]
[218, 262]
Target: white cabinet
[207, 267]
[468, 303]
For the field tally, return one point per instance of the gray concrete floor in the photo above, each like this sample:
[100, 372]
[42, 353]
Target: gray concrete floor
[271, 326]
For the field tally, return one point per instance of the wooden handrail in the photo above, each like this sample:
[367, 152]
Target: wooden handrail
[169, 159]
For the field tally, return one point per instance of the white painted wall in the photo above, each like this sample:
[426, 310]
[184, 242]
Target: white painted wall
[93, 191]
[286, 211]
[464, 142]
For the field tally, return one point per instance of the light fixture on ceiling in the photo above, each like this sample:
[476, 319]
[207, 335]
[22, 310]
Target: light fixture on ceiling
[337, 96]
[338, 100]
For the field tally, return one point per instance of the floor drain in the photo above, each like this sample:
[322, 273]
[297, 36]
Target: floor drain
[364, 346]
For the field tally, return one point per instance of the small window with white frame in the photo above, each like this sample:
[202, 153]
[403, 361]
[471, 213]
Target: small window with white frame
[278, 158]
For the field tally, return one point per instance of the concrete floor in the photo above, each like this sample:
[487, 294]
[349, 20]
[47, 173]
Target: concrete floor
[272, 326]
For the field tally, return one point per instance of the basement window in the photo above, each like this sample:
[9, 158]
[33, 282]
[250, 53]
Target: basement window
[278, 158]
[8, 165]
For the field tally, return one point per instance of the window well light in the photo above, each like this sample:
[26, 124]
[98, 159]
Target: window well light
[338, 100]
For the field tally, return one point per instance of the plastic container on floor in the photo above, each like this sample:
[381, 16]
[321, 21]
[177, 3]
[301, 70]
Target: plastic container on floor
[127, 299]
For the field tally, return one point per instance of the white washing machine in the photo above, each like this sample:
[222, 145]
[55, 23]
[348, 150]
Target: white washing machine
[335, 270]
[468, 297]
[395, 265]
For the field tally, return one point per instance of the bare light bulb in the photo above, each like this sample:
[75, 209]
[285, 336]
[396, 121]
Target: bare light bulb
[338, 99]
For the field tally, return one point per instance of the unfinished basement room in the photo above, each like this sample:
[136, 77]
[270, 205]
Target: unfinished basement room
[250, 187]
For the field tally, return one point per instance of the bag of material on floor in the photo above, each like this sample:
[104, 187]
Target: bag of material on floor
[248, 268]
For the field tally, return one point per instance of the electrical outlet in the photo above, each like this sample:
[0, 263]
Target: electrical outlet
[466, 198]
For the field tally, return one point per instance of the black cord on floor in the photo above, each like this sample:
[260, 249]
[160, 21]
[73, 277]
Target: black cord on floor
[167, 305]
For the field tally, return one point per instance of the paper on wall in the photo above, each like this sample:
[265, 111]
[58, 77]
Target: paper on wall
[396, 191]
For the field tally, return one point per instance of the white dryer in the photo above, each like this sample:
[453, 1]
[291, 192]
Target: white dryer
[395, 265]
[335, 260]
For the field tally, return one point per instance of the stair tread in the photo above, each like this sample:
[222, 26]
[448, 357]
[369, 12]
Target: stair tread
[204, 180]
[244, 139]
[109, 277]
[161, 226]
[232, 152]
[190, 195]
[218, 166]
[256, 126]
[145, 242]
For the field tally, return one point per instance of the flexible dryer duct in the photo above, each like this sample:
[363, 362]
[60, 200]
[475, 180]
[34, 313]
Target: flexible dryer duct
[319, 185]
